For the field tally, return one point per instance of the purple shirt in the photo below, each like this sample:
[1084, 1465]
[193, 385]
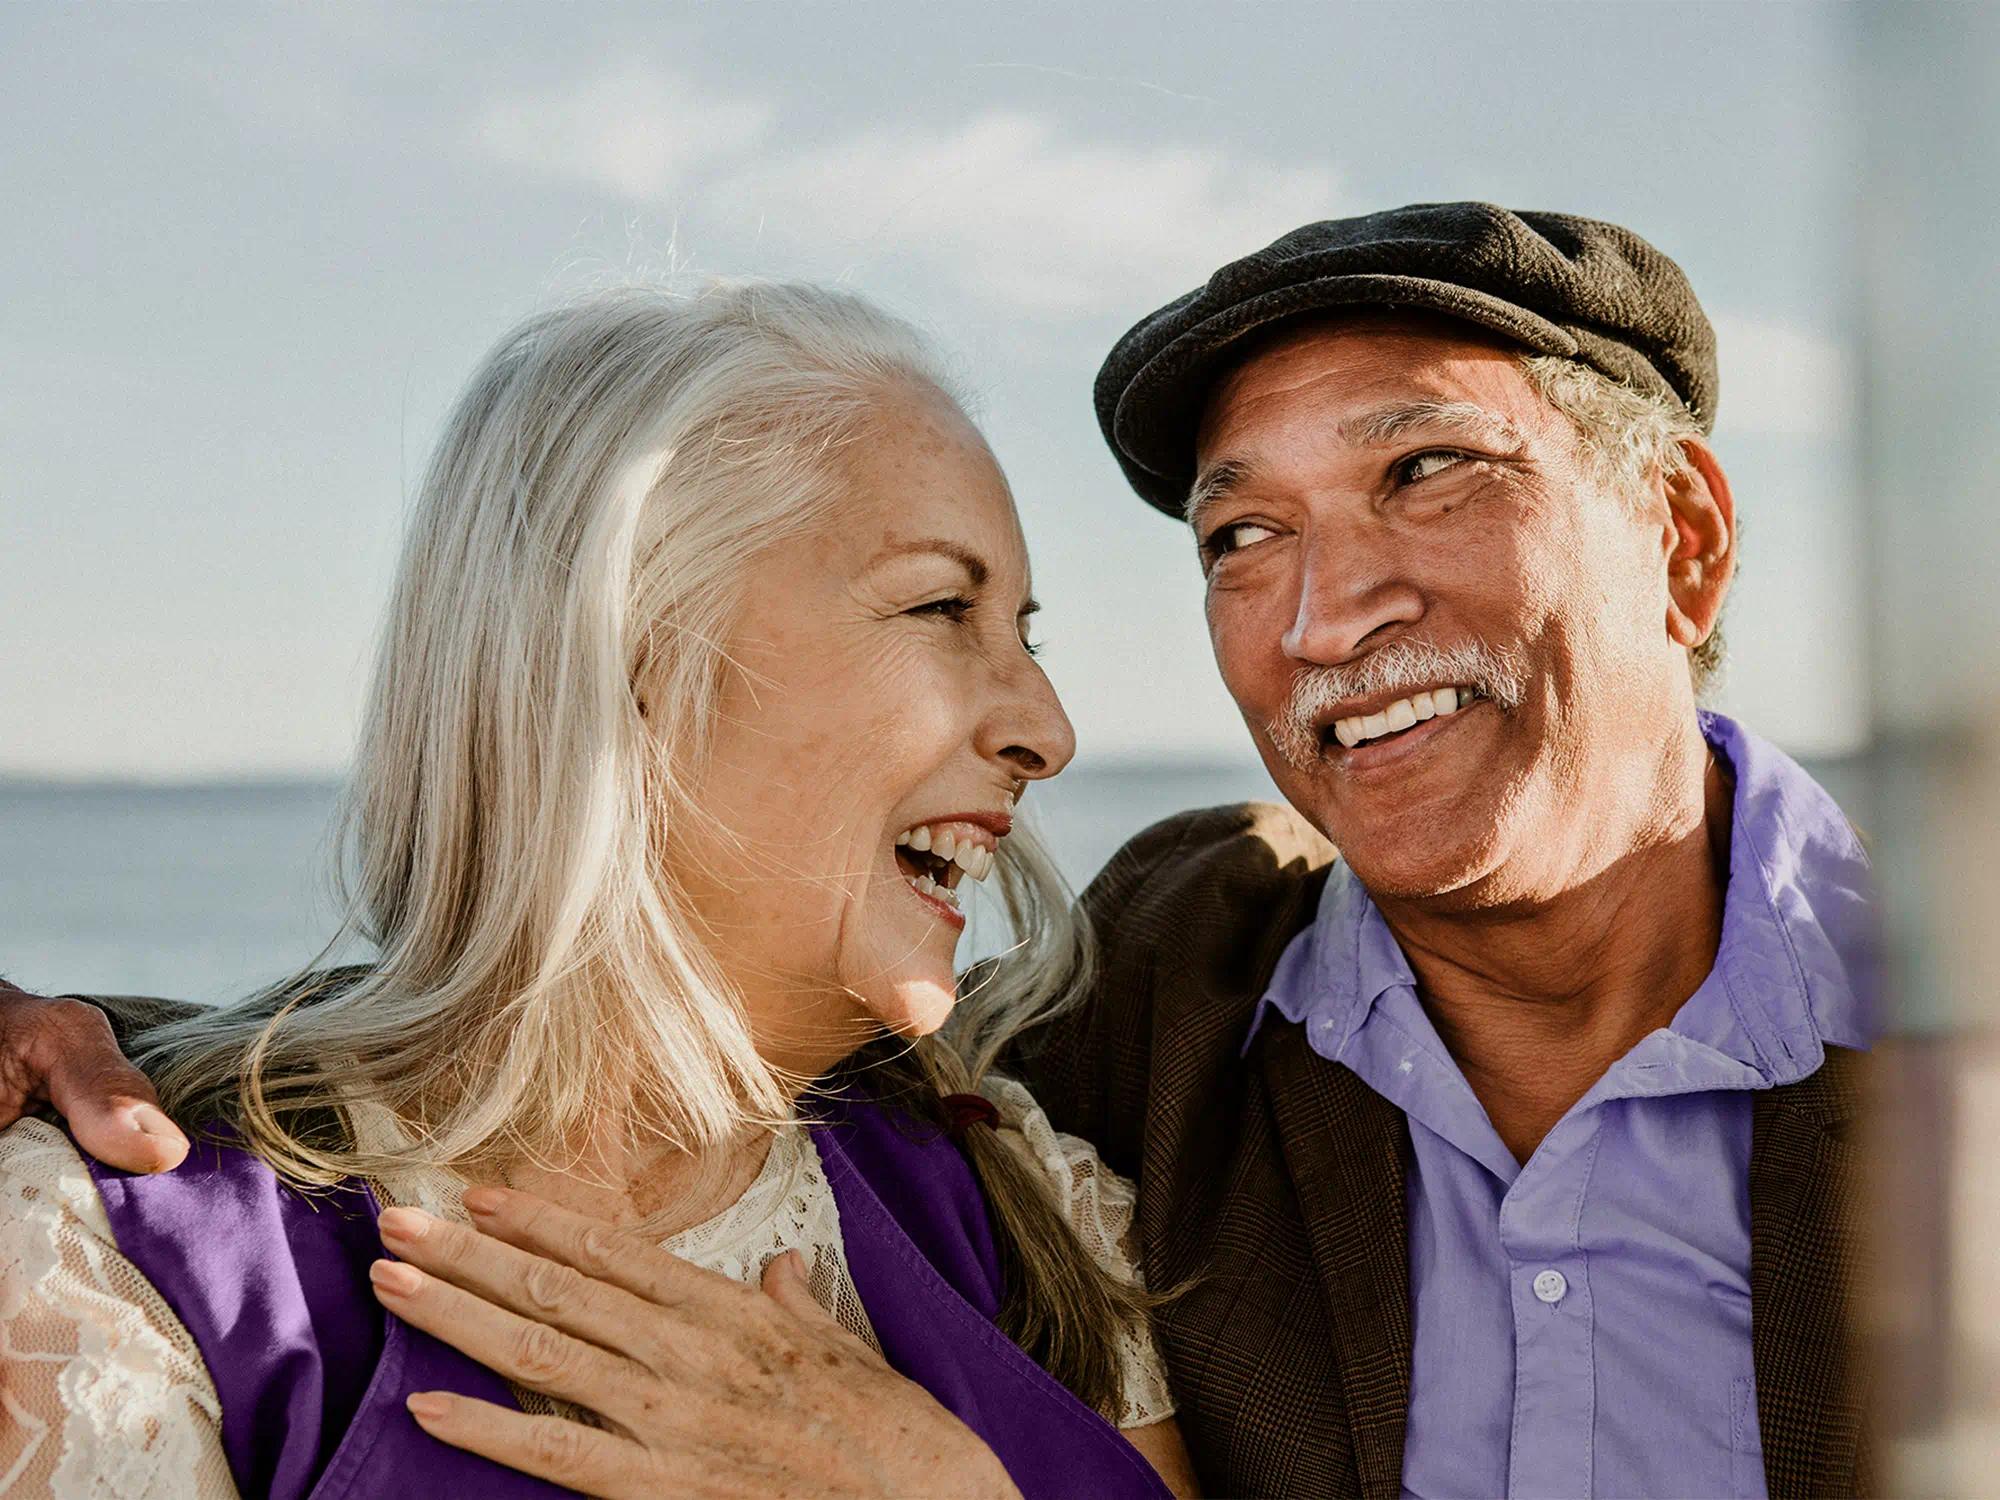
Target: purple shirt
[1582, 1322]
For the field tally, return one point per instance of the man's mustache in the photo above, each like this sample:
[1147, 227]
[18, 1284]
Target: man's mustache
[1401, 667]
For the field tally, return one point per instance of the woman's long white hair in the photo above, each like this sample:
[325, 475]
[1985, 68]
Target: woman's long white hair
[534, 740]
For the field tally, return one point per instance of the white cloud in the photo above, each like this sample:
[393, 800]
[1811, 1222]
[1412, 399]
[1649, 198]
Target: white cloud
[1014, 210]
[1006, 206]
[1782, 381]
[636, 131]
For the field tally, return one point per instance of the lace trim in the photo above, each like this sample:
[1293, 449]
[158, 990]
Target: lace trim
[106, 1396]
[91, 1355]
[1100, 1206]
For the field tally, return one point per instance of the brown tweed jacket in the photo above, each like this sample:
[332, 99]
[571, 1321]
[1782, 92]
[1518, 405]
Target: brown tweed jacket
[1274, 1185]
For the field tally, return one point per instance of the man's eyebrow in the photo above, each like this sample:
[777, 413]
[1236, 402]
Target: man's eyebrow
[974, 565]
[1212, 485]
[1385, 424]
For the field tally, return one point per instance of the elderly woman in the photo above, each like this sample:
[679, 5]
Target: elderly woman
[705, 698]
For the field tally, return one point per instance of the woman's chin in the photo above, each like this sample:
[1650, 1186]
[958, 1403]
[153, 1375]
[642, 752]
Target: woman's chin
[913, 1005]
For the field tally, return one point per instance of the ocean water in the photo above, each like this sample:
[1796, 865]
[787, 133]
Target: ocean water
[209, 892]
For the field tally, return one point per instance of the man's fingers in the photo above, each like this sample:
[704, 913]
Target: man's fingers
[108, 1103]
[594, 1248]
[544, 1290]
[532, 1354]
[565, 1453]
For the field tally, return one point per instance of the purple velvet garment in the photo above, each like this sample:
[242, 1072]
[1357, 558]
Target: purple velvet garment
[1582, 1320]
[312, 1374]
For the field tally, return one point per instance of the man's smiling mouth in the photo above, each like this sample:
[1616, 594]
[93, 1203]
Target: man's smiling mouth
[1394, 718]
[934, 857]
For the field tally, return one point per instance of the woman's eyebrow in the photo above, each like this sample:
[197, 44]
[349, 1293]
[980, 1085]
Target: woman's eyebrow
[974, 565]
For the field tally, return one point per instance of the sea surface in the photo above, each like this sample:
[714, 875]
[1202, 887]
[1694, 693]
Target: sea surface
[209, 892]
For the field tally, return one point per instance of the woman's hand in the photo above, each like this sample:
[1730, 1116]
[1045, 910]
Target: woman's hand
[62, 1052]
[709, 1387]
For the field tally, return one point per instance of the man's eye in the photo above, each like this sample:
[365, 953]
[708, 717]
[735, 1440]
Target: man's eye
[954, 607]
[1432, 461]
[1236, 536]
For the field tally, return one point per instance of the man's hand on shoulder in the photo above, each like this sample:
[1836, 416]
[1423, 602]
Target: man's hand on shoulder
[62, 1053]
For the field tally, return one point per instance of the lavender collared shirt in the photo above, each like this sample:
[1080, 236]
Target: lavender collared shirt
[1582, 1322]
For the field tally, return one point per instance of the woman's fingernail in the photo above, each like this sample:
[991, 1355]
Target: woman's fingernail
[483, 1200]
[394, 1277]
[425, 1406]
[404, 1224]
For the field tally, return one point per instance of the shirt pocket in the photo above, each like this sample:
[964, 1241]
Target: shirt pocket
[1746, 1441]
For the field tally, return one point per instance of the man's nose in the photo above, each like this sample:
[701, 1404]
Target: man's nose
[1348, 593]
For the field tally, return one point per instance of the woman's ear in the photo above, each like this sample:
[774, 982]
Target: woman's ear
[1703, 557]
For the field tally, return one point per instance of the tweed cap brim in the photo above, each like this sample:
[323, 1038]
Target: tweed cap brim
[1551, 283]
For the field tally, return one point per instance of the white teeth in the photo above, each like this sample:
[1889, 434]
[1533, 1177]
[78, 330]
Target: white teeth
[974, 860]
[902, 839]
[945, 845]
[1402, 714]
[920, 838]
[930, 887]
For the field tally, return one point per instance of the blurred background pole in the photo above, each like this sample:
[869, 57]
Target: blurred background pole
[1928, 282]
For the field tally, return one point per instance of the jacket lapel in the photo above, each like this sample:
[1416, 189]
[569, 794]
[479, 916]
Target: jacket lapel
[1345, 1148]
[1805, 1245]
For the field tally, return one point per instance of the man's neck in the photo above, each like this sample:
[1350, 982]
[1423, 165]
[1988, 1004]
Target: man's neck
[1536, 1000]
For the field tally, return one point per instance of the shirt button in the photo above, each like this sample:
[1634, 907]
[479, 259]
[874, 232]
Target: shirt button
[1551, 1287]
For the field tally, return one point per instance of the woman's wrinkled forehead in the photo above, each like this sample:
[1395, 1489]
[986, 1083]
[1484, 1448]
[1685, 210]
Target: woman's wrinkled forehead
[922, 473]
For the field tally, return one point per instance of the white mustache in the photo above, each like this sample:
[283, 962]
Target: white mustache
[1400, 667]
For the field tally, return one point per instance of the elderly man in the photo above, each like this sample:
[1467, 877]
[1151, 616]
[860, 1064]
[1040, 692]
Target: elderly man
[1504, 1153]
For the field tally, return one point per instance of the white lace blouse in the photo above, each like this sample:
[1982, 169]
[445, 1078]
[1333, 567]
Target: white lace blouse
[103, 1394]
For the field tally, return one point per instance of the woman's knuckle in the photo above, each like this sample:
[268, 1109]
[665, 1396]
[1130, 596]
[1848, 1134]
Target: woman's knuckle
[558, 1444]
[72, 1015]
[548, 1286]
[598, 1246]
[541, 1352]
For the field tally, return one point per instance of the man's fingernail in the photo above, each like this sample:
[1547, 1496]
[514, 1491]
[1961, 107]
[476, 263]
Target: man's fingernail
[404, 1224]
[483, 1200]
[425, 1406]
[394, 1277]
[150, 1121]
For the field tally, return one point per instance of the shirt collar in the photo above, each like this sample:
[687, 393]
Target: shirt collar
[1794, 970]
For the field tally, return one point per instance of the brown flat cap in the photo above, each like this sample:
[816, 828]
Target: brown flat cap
[1555, 283]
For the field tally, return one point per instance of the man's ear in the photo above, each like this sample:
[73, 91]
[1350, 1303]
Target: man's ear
[1703, 556]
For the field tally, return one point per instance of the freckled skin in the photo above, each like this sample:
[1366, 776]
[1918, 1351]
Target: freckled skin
[846, 718]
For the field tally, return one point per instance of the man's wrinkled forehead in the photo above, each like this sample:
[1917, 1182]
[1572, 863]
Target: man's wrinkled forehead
[1368, 379]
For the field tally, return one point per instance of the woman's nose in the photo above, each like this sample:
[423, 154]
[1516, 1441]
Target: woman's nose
[1029, 732]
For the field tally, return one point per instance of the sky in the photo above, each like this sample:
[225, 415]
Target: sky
[251, 253]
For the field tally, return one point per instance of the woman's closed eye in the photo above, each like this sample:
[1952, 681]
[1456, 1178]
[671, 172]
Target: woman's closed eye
[951, 607]
[957, 608]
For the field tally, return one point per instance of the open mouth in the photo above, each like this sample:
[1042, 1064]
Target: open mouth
[935, 857]
[1393, 720]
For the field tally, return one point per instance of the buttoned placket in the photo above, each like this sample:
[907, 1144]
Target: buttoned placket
[1541, 1211]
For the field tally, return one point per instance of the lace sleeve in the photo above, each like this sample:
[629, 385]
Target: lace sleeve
[1098, 1204]
[104, 1394]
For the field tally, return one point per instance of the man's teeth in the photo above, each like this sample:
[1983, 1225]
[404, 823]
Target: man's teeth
[1397, 716]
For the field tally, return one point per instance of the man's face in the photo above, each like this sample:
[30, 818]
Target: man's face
[1391, 518]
